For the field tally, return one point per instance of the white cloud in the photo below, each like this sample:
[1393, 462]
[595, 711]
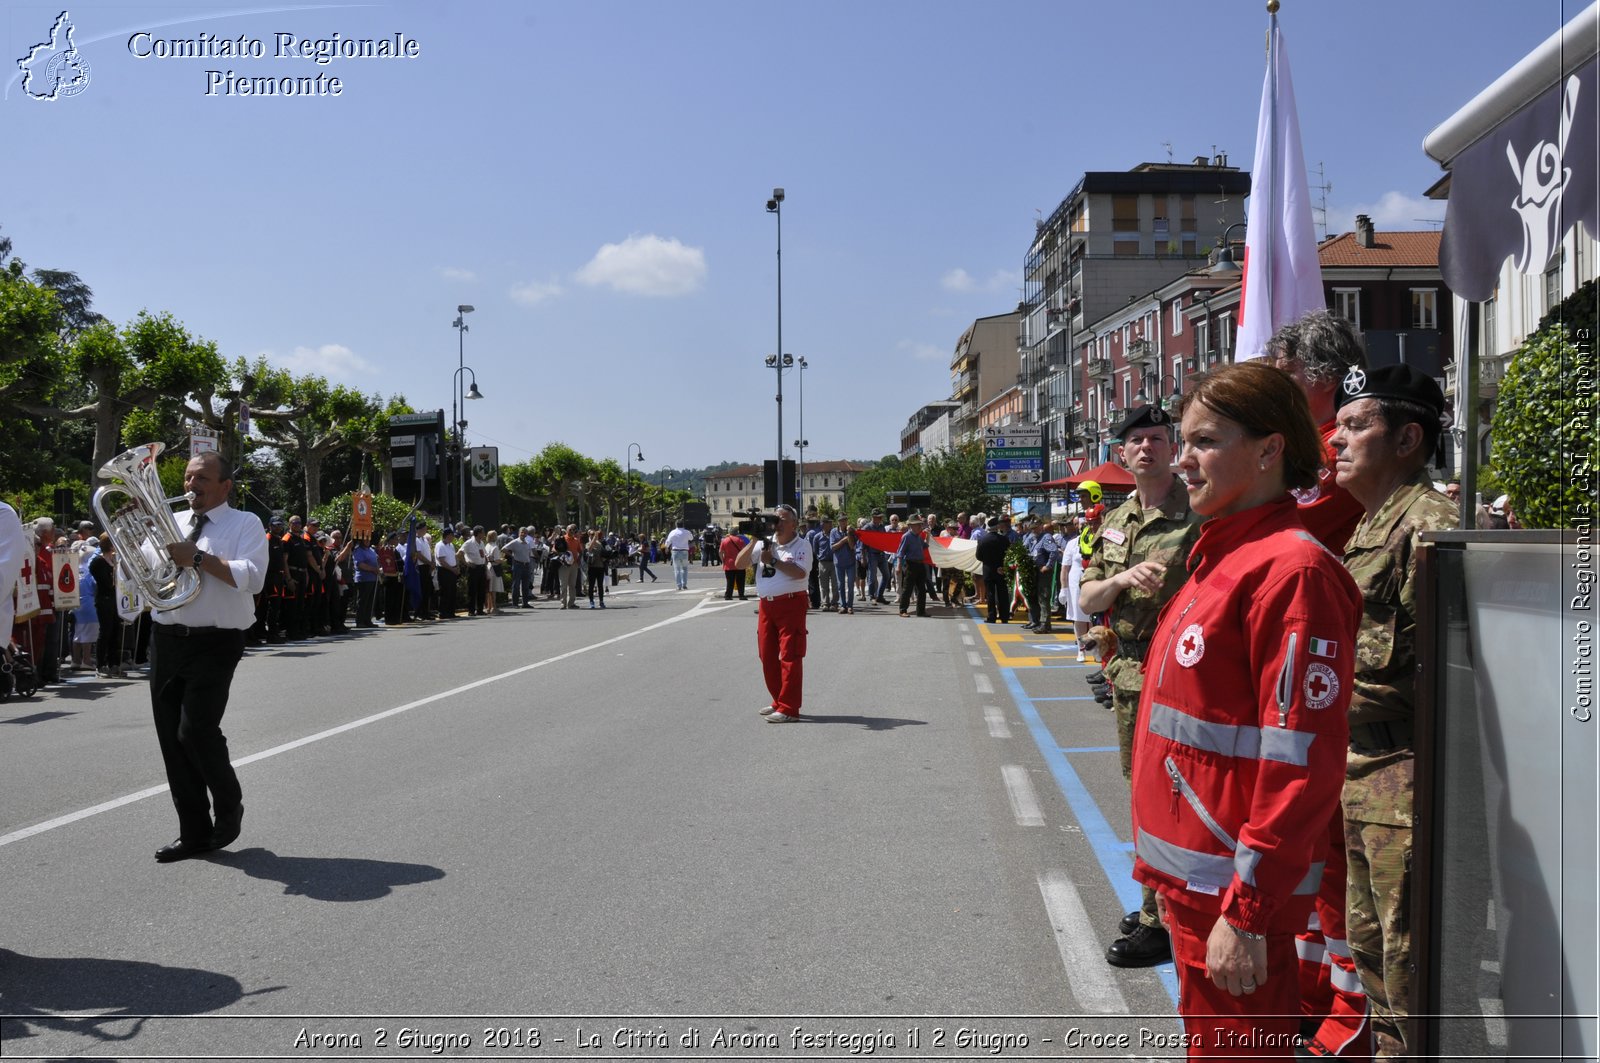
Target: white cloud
[535, 292]
[332, 360]
[959, 280]
[455, 273]
[925, 352]
[1394, 211]
[647, 265]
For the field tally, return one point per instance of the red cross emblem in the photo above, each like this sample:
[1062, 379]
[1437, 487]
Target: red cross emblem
[1321, 686]
[1191, 646]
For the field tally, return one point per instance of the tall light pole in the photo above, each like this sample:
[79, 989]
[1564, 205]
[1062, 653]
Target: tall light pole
[802, 443]
[458, 405]
[779, 360]
[629, 480]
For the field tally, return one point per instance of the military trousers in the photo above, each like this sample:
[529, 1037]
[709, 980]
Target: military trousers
[1377, 919]
[1125, 704]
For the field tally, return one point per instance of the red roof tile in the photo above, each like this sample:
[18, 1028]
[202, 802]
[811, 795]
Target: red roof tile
[1388, 249]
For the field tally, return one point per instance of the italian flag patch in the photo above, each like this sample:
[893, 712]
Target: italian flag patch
[1323, 648]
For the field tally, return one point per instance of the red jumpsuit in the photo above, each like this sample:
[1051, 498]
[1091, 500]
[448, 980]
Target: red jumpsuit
[1331, 995]
[1239, 761]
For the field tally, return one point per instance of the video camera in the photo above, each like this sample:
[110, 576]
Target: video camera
[759, 527]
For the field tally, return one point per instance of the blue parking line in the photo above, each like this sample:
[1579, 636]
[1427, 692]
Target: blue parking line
[1084, 698]
[1114, 855]
[1091, 749]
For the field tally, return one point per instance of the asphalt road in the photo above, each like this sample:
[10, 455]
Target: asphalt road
[574, 829]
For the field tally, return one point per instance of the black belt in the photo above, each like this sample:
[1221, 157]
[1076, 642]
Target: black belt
[184, 631]
[1379, 737]
[1134, 649]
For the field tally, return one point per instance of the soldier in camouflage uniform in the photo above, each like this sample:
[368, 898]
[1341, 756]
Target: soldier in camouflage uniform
[1139, 562]
[1386, 429]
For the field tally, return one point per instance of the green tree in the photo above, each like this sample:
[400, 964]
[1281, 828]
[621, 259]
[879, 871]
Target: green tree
[1546, 444]
[318, 429]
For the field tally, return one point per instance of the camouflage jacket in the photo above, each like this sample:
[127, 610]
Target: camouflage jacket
[1381, 557]
[1125, 538]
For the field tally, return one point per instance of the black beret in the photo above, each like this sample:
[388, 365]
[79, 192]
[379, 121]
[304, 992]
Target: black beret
[1392, 382]
[1141, 417]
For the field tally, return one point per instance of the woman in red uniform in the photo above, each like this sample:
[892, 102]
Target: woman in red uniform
[1242, 736]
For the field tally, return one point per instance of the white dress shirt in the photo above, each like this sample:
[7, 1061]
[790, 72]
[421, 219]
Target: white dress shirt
[472, 551]
[445, 555]
[239, 539]
[679, 539]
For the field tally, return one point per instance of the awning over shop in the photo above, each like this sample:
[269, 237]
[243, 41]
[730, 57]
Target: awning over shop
[1109, 475]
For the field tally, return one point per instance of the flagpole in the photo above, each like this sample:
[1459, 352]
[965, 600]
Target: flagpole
[1275, 213]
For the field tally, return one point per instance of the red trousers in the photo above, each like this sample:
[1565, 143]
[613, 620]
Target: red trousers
[1260, 1025]
[1331, 995]
[781, 642]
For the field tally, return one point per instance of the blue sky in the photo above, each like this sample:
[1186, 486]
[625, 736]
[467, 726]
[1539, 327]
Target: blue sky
[593, 177]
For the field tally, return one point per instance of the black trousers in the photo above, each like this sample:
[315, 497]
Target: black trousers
[365, 592]
[477, 582]
[914, 580]
[189, 681]
[447, 592]
[734, 577]
[999, 596]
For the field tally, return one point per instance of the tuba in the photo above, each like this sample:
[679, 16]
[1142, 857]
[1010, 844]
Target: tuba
[143, 527]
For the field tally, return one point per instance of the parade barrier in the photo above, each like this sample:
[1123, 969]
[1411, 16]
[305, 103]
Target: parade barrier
[1504, 904]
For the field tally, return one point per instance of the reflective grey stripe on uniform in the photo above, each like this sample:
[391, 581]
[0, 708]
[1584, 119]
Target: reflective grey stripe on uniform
[1231, 740]
[1246, 860]
[1228, 739]
[1308, 537]
[1337, 946]
[1345, 981]
[1287, 746]
[1205, 869]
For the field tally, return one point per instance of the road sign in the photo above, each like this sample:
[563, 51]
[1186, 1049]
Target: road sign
[1013, 463]
[1035, 439]
[1015, 476]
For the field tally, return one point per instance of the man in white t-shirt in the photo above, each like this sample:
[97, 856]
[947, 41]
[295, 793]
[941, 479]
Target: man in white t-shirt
[445, 557]
[679, 540]
[784, 566]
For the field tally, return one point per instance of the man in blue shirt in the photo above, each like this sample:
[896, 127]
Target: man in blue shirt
[912, 558]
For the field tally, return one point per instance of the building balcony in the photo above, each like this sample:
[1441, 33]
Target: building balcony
[1142, 352]
[1100, 368]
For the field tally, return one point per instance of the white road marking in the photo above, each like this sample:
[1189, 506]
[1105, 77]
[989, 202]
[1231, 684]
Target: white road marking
[967, 640]
[998, 728]
[982, 683]
[973, 659]
[1088, 974]
[700, 608]
[1019, 791]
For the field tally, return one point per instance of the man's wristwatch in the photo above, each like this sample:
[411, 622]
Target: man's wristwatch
[199, 558]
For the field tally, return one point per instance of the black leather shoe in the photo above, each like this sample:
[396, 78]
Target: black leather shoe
[227, 829]
[1147, 946]
[1130, 923]
[181, 850]
[1096, 676]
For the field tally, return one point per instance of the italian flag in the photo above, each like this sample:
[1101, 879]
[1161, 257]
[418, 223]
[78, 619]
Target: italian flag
[1323, 648]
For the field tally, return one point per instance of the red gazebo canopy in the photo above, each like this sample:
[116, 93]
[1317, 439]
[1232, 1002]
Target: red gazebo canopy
[1109, 475]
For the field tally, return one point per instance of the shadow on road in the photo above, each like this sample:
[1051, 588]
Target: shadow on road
[118, 993]
[324, 878]
[871, 723]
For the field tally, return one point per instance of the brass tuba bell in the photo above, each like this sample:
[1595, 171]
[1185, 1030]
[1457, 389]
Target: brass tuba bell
[143, 527]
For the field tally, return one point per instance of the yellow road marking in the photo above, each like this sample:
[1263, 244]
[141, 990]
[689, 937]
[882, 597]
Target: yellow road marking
[1009, 645]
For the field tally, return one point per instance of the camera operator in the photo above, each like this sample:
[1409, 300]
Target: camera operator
[785, 560]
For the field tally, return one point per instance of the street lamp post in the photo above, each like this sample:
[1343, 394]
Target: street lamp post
[1225, 262]
[801, 443]
[458, 406]
[779, 360]
[629, 480]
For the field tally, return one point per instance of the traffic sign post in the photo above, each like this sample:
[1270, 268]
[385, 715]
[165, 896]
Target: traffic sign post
[1013, 456]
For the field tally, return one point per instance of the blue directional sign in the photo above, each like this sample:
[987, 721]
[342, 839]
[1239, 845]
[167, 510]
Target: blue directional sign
[1014, 463]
